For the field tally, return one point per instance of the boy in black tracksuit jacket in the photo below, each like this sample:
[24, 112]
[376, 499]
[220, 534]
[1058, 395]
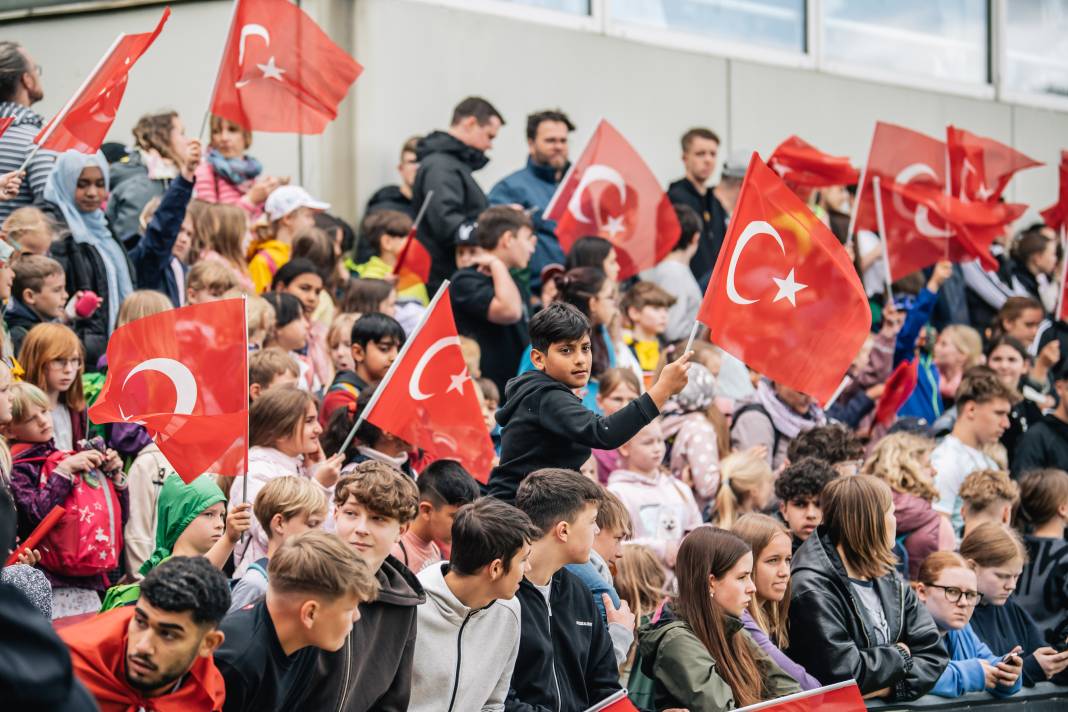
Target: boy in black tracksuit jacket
[565, 660]
[544, 423]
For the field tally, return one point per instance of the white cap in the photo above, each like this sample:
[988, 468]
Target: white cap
[287, 198]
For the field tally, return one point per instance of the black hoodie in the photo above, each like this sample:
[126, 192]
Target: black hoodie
[832, 639]
[373, 669]
[1045, 444]
[565, 659]
[445, 167]
[544, 424]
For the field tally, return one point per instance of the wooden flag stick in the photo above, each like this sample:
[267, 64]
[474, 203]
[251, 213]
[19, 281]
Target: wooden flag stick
[882, 237]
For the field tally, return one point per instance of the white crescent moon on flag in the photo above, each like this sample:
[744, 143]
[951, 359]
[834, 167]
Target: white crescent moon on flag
[757, 227]
[598, 171]
[185, 386]
[246, 30]
[424, 360]
[921, 218]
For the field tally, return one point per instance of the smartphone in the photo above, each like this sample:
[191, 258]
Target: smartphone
[1009, 658]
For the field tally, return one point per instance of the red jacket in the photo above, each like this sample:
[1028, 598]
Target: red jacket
[98, 653]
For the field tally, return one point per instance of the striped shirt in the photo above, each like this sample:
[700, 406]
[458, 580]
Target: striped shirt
[15, 144]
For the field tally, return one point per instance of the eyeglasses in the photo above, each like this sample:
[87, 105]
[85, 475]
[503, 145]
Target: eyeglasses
[954, 594]
[62, 363]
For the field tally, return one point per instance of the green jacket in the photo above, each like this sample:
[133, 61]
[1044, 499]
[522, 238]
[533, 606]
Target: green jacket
[685, 673]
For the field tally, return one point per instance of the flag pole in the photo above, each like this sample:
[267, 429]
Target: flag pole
[248, 427]
[693, 335]
[393, 367]
[846, 380]
[412, 233]
[882, 235]
[51, 128]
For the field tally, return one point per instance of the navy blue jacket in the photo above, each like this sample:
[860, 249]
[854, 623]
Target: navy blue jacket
[151, 255]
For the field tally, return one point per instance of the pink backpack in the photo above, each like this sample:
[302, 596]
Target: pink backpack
[87, 541]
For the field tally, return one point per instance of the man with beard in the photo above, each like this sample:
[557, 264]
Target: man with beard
[20, 88]
[533, 186]
[157, 653]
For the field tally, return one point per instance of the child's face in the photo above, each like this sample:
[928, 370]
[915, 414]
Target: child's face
[61, 372]
[609, 544]
[465, 256]
[5, 394]
[293, 336]
[35, 242]
[581, 533]
[333, 621]
[36, 428]
[369, 533]
[229, 140]
[649, 320]
[184, 242]
[771, 572]
[566, 361]
[613, 401]
[388, 306]
[306, 288]
[341, 355]
[489, 408]
[507, 585]
[644, 453]
[802, 515]
[7, 277]
[373, 360]
[439, 520]
[957, 582]
[205, 529]
[52, 297]
[203, 295]
[589, 469]
[392, 245]
[305, 441]
[297, 524]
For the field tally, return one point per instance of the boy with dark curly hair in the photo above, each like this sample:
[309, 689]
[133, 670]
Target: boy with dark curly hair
[798, 489]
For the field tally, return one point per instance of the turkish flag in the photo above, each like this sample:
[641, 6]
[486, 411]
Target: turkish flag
[1056, 215]
[280, 71]
[85, 120]
[428, 399]
[610, 192]
[897, 390]
[413, 263]
[792, 308]
[980, 167]
[840, 697]
[183, 374]
[799, 163]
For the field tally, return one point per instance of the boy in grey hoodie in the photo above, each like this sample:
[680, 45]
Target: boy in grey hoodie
[468, 629]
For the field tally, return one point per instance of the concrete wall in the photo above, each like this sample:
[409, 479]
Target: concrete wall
[421, 59]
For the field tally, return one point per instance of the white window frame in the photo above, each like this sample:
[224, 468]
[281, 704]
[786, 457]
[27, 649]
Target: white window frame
[599, 21]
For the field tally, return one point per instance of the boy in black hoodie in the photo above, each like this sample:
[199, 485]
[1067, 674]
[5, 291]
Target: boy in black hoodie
[565, 659]
[545, 424]
[373, 506]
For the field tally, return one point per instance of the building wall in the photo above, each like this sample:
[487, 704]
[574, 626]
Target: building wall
[422, 58]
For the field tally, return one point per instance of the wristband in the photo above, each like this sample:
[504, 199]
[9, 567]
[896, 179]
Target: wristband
[906, 656]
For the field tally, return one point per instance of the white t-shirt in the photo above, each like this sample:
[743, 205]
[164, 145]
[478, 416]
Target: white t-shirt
[874, 277]
[953, 461]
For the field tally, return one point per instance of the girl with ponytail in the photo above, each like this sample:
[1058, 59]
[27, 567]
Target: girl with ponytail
[746, 485]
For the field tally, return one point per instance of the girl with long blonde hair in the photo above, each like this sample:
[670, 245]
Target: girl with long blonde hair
[746, 485]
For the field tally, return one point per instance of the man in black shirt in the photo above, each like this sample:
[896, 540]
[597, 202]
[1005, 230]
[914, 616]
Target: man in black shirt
[488, 304]
[315, 586]
[700, 147]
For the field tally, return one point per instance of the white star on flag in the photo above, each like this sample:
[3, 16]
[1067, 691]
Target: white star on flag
[788, 288]
[271, 70]
[614, 225]
[456, 382]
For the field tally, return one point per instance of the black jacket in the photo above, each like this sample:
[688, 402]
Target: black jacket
[85, 270]
[1045, 444]
[390, 197]
[565, 660]
[373, 669]
[713, 225]
[544, 424]
[445, 167]
[19, 319]
[150, 254]
[831, 639]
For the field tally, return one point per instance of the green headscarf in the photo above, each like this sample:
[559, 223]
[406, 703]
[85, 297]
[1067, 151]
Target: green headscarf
[179, 504]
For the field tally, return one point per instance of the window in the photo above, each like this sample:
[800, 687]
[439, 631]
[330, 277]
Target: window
[774, 24]
[1036, 47]
[947, 40]
[575, 7]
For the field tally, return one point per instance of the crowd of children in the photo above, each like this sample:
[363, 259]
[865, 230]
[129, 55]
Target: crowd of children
[657, 520]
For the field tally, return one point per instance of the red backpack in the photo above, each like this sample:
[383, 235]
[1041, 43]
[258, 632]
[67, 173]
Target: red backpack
[88, 539]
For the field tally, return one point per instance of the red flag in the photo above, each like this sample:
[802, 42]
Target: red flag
[428, 398]
[980, 167]
[280, 71]
[87, 117]
[616, 702]
[610, 192]
[5, 123]
[897, 390]
[793, 309]
[840, 697]
[1056, 215]
[413, 263]
[183, 374]
[802, 164]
